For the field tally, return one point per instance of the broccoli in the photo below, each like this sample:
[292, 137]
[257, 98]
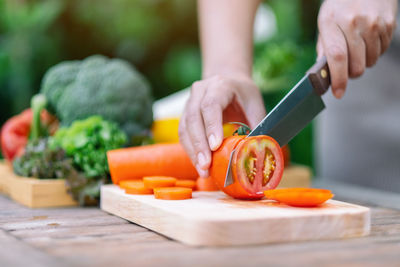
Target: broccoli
[97, 85]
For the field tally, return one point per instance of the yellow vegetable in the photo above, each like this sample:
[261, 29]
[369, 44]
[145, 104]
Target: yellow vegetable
[166, 130]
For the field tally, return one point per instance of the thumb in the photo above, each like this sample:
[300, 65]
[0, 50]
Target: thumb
[320, 49]
[255, 114]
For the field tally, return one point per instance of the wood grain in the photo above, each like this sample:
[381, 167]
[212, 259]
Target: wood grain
[32, 192]
[115, 242]
[213, 219]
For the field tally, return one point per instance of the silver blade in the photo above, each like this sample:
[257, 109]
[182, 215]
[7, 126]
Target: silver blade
[294, 112]
[228, 177]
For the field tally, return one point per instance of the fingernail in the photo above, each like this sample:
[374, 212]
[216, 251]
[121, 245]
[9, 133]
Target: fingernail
[212, 142]
[202, 173]
[339, 93]
[201, 159]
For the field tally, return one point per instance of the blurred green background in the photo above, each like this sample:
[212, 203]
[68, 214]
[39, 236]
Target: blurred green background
[159, 37]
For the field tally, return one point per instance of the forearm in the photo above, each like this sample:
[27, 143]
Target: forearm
[226, 33]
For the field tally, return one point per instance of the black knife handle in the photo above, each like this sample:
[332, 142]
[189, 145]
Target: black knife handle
[319, 76]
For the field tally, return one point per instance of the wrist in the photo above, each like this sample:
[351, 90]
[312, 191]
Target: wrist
[232, 72]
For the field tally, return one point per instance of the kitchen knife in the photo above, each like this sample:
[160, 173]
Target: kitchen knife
[295, 111]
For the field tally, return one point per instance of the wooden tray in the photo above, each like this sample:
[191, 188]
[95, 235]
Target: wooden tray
[214, 219]
[32, 192]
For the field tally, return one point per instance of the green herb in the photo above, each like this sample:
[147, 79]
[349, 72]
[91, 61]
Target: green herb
[42, 162]
[87, 142]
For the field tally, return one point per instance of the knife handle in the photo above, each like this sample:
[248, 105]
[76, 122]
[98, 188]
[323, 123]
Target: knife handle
[319, 76]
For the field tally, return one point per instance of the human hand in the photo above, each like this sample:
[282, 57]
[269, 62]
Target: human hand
[212, 102]
[353, 34]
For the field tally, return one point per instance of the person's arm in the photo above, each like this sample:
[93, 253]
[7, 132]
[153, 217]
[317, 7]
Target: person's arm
[353, 34]
[226, 92]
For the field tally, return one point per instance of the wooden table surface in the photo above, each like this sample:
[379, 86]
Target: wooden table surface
[90, 237]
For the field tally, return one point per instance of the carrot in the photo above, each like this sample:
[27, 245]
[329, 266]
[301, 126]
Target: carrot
[158, 181]
[206, 184]
[173, 193]
[135, 187]
[299, 197]
[159, 159]
[186, 183]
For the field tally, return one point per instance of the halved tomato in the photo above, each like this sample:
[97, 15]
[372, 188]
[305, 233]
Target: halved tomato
[257, 165]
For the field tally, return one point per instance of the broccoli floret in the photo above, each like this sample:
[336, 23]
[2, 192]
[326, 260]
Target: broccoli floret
[97, 85]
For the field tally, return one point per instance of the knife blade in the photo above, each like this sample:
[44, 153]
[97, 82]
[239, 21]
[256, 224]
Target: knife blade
[295, 111]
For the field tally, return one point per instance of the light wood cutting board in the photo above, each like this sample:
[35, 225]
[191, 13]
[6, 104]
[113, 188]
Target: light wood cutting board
[214, 219]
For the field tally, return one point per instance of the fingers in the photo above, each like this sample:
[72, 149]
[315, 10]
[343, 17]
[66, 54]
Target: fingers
[192, 133]
[212, 106]
[356, 48]
[255, 111]
[372, 39]
[335, 48]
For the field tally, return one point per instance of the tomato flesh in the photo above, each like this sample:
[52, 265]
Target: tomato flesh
[257, 165]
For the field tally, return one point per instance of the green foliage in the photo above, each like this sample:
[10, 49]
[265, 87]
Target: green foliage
[279, 64]
[26, 49]
[40, 161]
[97, 85]
[36, 34]
[87, 142]
[182, 66]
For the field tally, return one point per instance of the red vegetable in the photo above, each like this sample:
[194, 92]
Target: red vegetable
[206, 184]
[257, 165]
[15, 132]
[151, 160]
[286, 155]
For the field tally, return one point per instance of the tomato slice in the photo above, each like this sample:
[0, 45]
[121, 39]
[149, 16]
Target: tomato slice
[257, 165]
[300, 197]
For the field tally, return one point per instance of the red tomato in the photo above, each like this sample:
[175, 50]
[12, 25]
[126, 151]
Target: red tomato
[15, 132]
[286, 155]
[257, 165]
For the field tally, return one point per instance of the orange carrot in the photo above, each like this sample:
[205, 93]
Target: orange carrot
[159, 159]
[135, 187]
[299, 197]
[173, 193]
[206, 184]
[186, 183]
[158, 181]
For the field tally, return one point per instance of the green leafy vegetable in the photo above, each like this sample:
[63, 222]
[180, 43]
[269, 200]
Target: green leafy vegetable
[110, 88]
[87, 142]
[42, 162]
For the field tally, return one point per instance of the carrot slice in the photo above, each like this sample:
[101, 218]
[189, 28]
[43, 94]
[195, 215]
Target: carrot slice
[158, 181]
[135, 187]
[206, 184]
[186, 183]
[299, 197]
[173, 193]
[159, 159]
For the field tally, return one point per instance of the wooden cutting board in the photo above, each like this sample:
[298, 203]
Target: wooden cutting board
[214, 219]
